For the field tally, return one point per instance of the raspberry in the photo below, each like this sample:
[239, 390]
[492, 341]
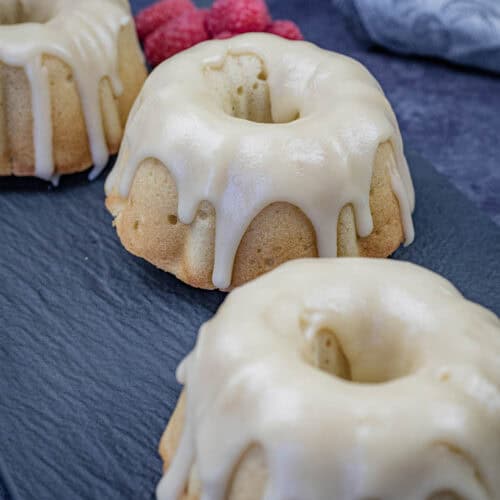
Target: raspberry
[237, 16]
[285, 29]
[223, 35]
[160, 13]
[180, 33]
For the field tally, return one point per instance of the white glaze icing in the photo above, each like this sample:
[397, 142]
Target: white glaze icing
[83, 34]
[431, 423]
[319, 162]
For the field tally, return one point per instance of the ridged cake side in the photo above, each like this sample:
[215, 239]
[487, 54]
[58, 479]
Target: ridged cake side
[71, 150]
[237, 149]
[148, 226]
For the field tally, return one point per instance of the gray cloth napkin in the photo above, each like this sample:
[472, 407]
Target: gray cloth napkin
[462, 31]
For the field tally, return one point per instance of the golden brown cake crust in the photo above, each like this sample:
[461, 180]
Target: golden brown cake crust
[70, 142]
[250, 473]
[170, 439]
[148, 227]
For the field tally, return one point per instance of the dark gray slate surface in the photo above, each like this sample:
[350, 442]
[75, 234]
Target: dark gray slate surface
[90, 335]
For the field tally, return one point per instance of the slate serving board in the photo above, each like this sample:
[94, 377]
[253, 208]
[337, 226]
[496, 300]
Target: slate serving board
[90, 336]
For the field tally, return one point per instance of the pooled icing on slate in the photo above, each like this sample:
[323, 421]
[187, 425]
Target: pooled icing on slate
[319, 162]
[417, 415]
[83, 34]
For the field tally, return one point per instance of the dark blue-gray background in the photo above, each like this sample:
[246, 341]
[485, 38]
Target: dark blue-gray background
[90, 336]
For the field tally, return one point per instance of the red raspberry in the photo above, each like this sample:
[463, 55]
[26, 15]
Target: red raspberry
[285, 29]
[223, 35]
[180, 33]
[160, 13]
[238, 16]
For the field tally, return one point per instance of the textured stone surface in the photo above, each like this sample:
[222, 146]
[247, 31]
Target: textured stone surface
[90, 336]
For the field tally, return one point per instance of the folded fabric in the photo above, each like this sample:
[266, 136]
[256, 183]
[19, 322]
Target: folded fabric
[462, 31]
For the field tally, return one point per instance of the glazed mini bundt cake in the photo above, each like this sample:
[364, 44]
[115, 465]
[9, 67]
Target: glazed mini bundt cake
[70, 71]
[332, 379]
[244, 153]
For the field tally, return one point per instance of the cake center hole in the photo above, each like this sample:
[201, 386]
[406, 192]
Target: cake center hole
[328, 355]
[241, 89]
[14, 12]
[359, 360]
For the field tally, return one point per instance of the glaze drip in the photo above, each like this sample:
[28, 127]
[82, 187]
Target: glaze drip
[409, 408]
[84, 35]
[255, 120]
